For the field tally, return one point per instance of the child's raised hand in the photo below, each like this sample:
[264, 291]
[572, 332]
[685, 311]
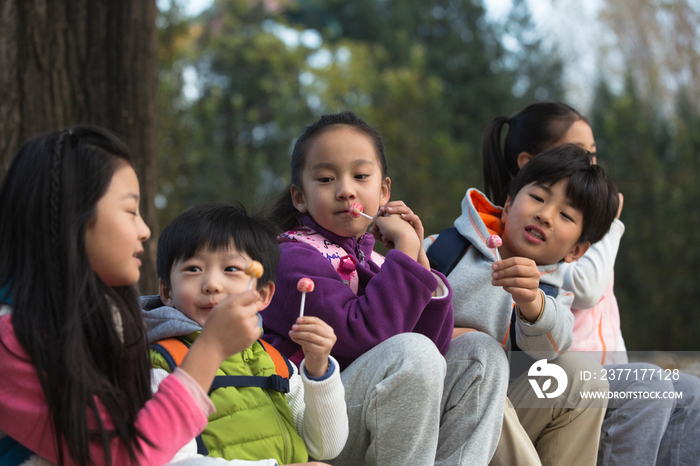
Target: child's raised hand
[401, 209]
[520, 277]
[316, 339]
[395, 232]
[231, 327]
[405, 213]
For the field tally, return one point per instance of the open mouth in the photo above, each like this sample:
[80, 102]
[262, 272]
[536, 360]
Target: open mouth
[535, 233]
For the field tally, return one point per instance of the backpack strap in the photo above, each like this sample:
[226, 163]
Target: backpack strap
[279, 381]
[447, 250]
[173, 351]
[548, 290]
[282, 365]
[12, 452]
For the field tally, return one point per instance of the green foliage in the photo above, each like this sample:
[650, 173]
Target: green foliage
[429, 74]
[656, 165]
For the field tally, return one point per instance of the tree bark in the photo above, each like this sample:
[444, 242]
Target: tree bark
[67, 62]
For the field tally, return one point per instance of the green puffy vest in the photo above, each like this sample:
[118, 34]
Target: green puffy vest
[250, 423]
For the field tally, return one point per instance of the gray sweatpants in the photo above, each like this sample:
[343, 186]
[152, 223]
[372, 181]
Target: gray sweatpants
[646, 432]
[409, 405]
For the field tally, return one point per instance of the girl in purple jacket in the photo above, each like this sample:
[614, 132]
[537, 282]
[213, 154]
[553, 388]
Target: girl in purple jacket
[407, 404]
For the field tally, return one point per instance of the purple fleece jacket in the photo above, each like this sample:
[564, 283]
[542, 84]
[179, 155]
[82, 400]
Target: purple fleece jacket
[393, 299]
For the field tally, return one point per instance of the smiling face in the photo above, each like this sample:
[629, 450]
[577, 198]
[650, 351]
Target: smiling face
[201, 282]
[542, 225]
[114, 236]
[341, 168]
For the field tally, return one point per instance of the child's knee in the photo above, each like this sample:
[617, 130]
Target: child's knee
[417, 356]
[480, 348]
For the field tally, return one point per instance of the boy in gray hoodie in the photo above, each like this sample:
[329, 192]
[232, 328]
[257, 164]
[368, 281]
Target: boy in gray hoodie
[555, 209]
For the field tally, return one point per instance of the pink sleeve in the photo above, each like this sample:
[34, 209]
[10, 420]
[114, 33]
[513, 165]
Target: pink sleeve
[169, 420]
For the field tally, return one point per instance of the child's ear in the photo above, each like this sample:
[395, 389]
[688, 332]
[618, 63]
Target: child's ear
[578, 251]
[266, 293]
[386, 191]
[506, 209]
[165, 295]
[523, 158]
[298, 199]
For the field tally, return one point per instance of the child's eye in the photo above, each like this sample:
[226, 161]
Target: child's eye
[536, 197]
[325, 179]
[567, 216]
[193, 268]
[231, 268]
[361, 177]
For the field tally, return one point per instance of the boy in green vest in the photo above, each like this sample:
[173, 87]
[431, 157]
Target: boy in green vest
[267, 410]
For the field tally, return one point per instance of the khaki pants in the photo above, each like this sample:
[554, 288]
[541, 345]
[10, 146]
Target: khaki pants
[560, 431]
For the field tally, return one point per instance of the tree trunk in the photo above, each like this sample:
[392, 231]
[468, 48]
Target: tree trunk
[66, 62]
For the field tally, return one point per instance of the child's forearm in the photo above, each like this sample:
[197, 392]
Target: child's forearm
[202, 361]
[531, 311]
[320, 413]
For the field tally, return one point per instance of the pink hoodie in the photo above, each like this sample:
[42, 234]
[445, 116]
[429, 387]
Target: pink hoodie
[176, 413]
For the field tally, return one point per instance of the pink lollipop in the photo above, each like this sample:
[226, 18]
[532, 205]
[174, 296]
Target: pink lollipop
[255, 270]
[356, 210]
[494, 242]
[305, 285]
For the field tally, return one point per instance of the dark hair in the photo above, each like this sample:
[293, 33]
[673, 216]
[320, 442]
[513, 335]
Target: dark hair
[589, 189]
[536, 128]
[283, 213]
[63, 313]
[217, 226]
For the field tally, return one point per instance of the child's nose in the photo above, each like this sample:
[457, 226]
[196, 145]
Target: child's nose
[346, 190]
[143, 231]
[211, 284]
[544, 215]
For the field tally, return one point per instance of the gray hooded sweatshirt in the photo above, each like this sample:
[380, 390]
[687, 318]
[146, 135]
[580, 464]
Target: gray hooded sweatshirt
[480, 305]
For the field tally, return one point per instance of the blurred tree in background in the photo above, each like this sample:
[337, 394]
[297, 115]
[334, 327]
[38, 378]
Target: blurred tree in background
[428, 74]
[239, 82]
[648, 136]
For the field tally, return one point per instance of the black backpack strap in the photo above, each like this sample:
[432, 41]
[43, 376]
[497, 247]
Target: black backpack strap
[548, 290]
[273, 382]
[447, 250]
[12, 452]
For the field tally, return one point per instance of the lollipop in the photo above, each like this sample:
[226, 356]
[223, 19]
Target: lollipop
[494, 242]
[356, 210]
[255, 270]
[305, 285]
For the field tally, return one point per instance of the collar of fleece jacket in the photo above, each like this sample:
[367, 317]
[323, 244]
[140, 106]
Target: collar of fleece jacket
[357, 247]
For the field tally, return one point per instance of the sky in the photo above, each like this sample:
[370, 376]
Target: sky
[571, 24]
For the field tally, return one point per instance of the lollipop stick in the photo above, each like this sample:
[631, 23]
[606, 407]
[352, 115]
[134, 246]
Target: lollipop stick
[250, 284]
[303, 301]
[366, 216]
[498, 256]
